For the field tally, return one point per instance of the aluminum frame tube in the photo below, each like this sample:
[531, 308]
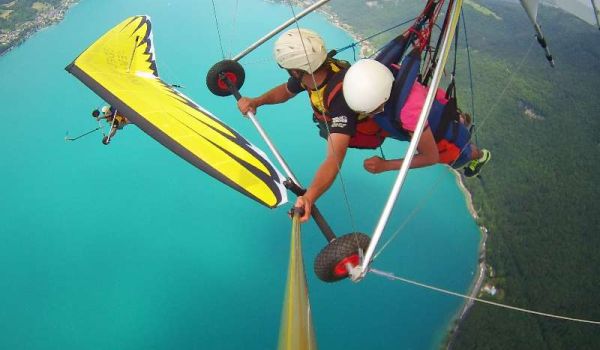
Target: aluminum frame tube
[360, 271]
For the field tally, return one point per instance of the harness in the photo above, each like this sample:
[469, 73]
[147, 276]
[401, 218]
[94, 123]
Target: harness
[318, 97]
[444, 118]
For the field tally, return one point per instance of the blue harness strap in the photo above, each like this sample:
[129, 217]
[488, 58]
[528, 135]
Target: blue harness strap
[405, 77]
[393, 51]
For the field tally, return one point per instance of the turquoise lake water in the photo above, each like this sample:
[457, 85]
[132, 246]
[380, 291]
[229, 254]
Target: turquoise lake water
[127, 246]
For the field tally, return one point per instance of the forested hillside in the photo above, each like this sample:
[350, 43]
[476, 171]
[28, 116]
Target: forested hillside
[539, 196]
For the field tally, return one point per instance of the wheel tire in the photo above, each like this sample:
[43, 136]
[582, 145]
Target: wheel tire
[95, 113]
[331, 260]
[232, 69]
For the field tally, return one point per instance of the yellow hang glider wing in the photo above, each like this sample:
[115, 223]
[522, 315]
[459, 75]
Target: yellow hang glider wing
[120, 67]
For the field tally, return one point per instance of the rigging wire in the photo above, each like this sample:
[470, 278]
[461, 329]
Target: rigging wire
[431, 52]
[411, 216]
[479, 300]
[464, 22]
[439, 178]
[356, 43]
[321, 102]
[510, 81]
[234, 27]
[218, 29]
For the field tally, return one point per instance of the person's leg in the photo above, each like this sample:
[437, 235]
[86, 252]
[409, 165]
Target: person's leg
[480, 157]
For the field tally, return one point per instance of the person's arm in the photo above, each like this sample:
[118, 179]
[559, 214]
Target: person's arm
[337, 145]
[427, 155]
[278, 94]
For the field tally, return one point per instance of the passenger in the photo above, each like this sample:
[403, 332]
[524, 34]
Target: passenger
[364, 93]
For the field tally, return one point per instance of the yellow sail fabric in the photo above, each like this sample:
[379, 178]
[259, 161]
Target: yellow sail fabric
[120, 67]
[296, 331]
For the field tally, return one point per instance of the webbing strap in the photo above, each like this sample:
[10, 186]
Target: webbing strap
[333, 92]
[405, 78]
[449, 116]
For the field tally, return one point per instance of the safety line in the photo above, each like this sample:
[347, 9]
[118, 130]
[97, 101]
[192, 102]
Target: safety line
[410, 216]
[444, 291]
[512, 77]
[218, 29]
[234, 28]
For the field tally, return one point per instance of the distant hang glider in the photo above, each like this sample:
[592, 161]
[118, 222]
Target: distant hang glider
[120, 67]
[596, 12]
[531, 7]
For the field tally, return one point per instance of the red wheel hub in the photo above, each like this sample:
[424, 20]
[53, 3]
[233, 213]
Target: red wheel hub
[340, 268]
[232, 78]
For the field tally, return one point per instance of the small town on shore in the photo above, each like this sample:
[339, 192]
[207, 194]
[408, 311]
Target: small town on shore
[47, 14]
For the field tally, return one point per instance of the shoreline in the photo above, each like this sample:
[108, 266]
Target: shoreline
[25, 30]
[366, 47]
[477, 282]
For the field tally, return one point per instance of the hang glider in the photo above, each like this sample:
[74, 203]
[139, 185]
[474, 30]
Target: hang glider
[596, 12]
[531, 7]
[120, 67]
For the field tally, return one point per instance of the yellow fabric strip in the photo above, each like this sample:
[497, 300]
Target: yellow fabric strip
[296, 331]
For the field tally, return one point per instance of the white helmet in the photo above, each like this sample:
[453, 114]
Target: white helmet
[106, 109]
[300, 49]
[367, 85]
